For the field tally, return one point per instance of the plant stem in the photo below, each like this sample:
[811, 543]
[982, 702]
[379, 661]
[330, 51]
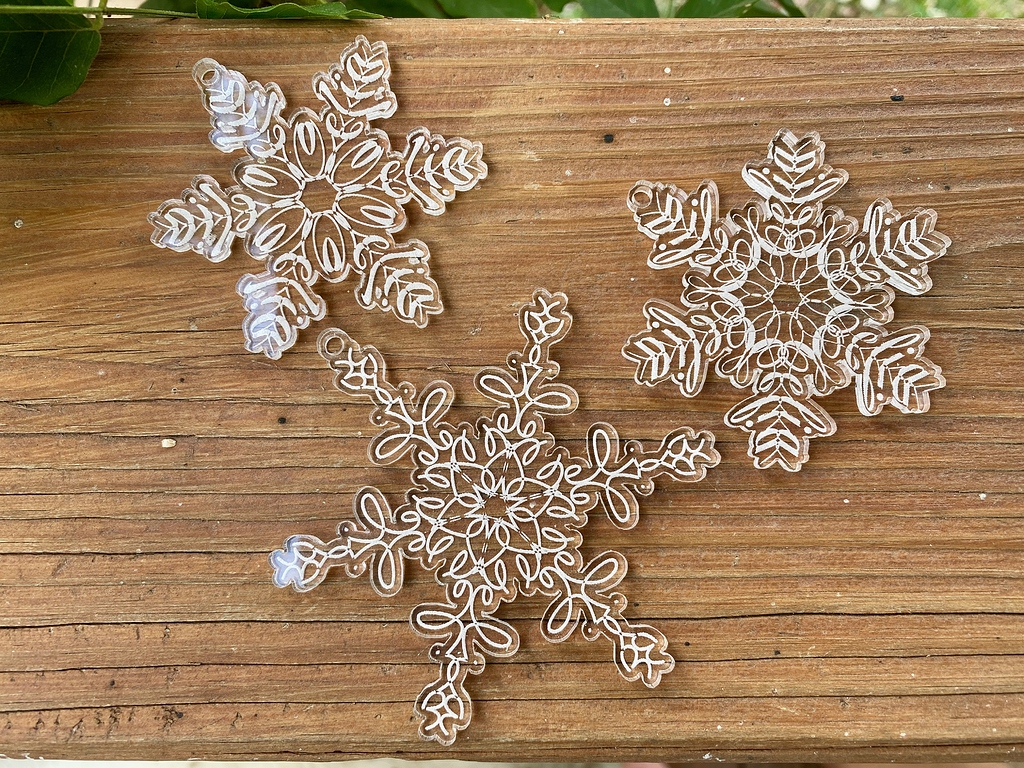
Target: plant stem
[70, 10]
[97, 22]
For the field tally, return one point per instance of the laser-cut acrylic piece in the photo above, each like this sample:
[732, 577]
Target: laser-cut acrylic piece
[786, 298]
[495, 511]
[319, 195]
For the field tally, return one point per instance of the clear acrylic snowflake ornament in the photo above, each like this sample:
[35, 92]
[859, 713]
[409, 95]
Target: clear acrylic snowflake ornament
[319, 195]
[495, 512]
[786, 298]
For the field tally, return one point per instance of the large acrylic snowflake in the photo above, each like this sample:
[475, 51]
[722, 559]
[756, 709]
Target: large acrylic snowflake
[787, 299]
[496, 511]
[318, 196]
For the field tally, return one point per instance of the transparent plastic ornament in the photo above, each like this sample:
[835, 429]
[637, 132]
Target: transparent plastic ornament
[320, 195]
[786, 298]
[496, 512]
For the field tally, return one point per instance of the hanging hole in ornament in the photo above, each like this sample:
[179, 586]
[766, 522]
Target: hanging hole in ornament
[208, 75]
[331, 344]
[641, 197]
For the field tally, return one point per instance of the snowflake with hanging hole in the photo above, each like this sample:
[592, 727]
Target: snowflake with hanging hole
[495, 512]
[786, 298]
[318, 195]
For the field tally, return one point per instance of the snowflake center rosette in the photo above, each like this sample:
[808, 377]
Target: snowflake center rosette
[320, 195]
[496, 512]
[787, 298]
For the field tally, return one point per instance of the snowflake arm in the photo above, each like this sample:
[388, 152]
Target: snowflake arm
[243, 114]
[304, 561]
[891, 369]
[359, 85]
[318, 195]
[411, 423]
[682, 226]
[619, 475]
[396, 278]
[896, 249]
[529, 391]
[780, 427]
[280, 303]
[584, 599]
[467, 632]
[376, 538]
[495, 512]
[678, 344]
[202, 220]
[787, 298]
[434, 168]
[794, 173]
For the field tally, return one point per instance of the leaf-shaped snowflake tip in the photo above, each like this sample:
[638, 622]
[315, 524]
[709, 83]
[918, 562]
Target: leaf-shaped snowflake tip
[319, 195]
[495, 511]
[786, 298]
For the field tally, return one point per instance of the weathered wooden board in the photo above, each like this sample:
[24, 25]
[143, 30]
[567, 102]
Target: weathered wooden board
[868, 607]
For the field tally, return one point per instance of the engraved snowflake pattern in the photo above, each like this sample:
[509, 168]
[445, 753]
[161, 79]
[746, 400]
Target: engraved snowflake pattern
[318, 195]
[495, 512]
[786, 298]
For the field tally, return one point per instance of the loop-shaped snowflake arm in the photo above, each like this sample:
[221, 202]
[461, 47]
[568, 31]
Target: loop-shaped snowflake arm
[618, 475]
[466, 635]
[496, 512]
[527, 389]
[318, 195]
[584, 599]
[786, 298]
[376, 538]
[410, 423]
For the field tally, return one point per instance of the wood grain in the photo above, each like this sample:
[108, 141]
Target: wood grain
[870, 607]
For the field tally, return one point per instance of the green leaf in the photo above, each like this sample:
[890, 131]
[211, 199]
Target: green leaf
[736, 9]
[792, 9]
[44, 58]
[620, 9]
[490, 9]
[402, 9]
[220, 9]
[182, 6]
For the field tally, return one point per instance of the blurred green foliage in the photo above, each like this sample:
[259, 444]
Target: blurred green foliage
[925, 8]
[456, 9]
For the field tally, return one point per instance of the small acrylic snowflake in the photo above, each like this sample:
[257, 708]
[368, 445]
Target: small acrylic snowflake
[787, 299]
[496, 511]
[319, 195]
